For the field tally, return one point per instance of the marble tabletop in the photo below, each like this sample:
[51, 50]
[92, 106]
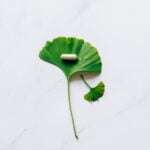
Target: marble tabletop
[34, 111]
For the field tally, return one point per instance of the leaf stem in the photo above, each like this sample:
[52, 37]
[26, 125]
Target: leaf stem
[70, 108]
[85, 81]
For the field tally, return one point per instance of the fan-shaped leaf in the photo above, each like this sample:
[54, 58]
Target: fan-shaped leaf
[95, 93]
[88, 58]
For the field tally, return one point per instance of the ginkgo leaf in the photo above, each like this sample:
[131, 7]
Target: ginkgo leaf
[71, 55]
[95, 93]
[88, 57]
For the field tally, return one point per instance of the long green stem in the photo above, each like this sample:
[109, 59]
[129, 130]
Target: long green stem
[85, 81]
[71, 113]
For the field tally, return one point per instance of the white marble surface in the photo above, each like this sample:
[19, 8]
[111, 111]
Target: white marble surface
[33, 100]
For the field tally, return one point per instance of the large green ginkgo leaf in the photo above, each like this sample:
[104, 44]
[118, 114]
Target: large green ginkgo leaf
[88, 58]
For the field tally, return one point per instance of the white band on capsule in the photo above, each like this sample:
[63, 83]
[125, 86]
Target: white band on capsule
[68, 56]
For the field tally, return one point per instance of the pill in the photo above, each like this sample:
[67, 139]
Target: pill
[68, 56]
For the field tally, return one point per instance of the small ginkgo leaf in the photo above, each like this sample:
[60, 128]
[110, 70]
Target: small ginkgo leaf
[88, 57]
[95, 93]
